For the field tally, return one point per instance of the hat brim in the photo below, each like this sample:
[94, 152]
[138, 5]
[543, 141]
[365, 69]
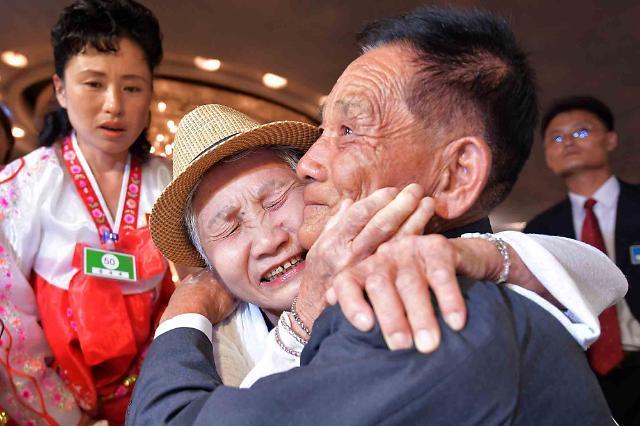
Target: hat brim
[166, 223]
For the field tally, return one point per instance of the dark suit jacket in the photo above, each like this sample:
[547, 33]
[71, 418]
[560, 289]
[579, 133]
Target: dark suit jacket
[512, 364]
[558, 220]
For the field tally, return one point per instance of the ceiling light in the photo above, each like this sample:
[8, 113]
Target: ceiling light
[160, 137]
[162, 107]
[274, 81]
[14, 59]
[207, 64]
[172, 126]
[168, 148]
[17, 132]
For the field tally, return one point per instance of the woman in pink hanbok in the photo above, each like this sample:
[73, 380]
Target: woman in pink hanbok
[82, 284]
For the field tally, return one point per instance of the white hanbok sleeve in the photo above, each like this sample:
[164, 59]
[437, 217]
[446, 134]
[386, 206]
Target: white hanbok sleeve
[35, 391]
[583, 279]
[274, 358]
[24, 182]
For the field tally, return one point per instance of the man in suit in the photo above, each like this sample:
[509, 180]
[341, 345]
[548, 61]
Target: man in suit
[604, 211]
[442, 98]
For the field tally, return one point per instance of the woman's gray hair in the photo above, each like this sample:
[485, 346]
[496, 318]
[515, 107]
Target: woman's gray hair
[290, 156]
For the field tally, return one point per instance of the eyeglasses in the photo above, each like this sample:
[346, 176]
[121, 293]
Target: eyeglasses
[576, 135]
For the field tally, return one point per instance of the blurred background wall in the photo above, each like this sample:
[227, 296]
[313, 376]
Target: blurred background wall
[276, 59]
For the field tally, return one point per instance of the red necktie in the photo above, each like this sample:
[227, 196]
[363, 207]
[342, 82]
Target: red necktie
[606, 352]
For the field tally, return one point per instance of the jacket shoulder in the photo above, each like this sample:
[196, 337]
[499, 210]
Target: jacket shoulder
[541, 221]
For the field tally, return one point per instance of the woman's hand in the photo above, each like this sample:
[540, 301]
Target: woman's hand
[200, 293]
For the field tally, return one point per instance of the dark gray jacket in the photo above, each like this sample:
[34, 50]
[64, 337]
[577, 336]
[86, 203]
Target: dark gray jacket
[512, 364]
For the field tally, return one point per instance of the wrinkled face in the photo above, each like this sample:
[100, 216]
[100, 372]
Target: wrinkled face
[107, 96]
[575, 141]
[248, 215]
[370, 139]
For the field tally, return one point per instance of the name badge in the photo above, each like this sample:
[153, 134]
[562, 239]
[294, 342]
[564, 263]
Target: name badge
[635, 254]
[109, 264]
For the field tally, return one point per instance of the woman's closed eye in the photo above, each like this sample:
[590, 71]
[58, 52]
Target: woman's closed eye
[275, 203]
[224, 233]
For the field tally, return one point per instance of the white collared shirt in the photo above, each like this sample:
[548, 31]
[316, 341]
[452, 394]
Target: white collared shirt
[606, 209]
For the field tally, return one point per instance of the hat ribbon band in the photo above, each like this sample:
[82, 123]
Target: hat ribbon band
[221, 141]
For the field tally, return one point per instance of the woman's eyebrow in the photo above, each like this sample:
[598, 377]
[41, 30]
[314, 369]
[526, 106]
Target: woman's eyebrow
[222, 215]
[269, 185]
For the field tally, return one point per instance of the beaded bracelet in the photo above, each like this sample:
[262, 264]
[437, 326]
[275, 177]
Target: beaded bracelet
[291, 332]
[283, 346]
[502, 247]
[297, 319]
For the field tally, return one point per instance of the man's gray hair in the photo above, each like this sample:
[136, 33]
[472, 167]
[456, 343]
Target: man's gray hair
[290, 156]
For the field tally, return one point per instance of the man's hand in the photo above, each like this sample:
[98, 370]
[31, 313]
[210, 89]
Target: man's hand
[200, 293]
[353, 234]
[400, 277]
[398, 280]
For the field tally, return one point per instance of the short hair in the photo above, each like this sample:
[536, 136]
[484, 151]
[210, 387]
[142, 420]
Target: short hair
[583, 103]
[288, 155]
[100, 24]
[471, 69]
[5, 127]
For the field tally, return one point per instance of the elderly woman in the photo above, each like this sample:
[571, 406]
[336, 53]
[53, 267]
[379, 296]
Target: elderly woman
[235, 205]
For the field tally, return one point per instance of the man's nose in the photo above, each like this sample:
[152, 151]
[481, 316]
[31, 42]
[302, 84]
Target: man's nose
[311, 165]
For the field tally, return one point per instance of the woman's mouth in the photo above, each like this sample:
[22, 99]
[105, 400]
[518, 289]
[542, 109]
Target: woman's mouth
[283, 272]
[111, 131]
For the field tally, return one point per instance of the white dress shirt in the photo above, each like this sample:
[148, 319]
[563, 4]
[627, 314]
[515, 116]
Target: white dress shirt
[606, 209]
[558, 263]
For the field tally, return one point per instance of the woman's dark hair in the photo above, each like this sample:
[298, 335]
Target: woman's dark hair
[100, 24]
[5, 127]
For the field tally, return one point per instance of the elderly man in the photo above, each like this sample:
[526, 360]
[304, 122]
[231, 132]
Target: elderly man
[454, 93]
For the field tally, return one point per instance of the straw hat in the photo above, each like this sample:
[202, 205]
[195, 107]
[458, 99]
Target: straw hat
[205, 136]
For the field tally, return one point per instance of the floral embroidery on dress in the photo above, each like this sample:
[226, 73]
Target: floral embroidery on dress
[32, 382]
[22, 173]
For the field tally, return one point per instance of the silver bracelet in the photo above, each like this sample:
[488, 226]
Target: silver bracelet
[297, 319]
[291, 332]
[502, 247]
[283, 346]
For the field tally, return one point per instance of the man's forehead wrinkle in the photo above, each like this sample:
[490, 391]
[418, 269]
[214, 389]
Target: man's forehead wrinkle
[354, 106]
[365, 98]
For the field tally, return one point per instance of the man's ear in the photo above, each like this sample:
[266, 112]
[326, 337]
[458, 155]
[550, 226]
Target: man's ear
[612, 141]
[466, 166]
[60, 91]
